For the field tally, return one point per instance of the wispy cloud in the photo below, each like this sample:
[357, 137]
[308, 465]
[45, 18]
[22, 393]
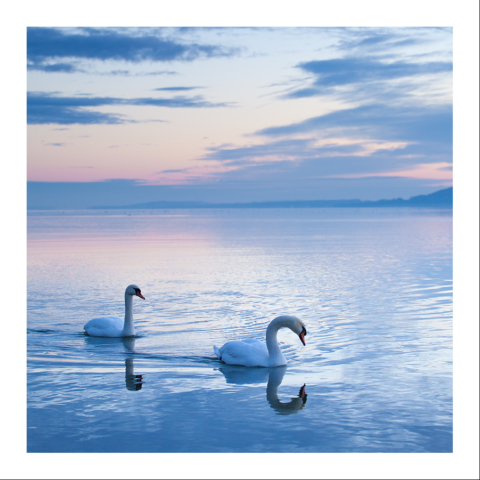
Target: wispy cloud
[433, 125]
[372, 75]
[54, 67]
[368, 141]
[45, 108]
[383, 42]
[176, 102]
[175, 89]
[46, 44]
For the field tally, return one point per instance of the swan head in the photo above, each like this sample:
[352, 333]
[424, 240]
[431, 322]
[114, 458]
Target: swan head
[293, 323]
[134, 290]
[299, 328]
[303, 332]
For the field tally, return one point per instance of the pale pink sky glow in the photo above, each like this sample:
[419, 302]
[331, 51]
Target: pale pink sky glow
[430, 171]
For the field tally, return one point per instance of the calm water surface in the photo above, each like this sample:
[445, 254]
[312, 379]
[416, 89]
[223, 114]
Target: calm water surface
[373, 286]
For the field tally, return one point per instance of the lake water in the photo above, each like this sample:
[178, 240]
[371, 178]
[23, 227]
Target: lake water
[373, 286]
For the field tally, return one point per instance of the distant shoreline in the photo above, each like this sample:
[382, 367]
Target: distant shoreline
[440, 199]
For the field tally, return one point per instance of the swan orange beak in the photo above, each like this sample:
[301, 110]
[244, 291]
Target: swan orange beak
[139, 294]
[302, 337]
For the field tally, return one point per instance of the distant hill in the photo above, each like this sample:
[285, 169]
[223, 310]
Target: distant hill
[440, 199]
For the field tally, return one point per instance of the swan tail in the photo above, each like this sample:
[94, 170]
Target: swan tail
[217, 352]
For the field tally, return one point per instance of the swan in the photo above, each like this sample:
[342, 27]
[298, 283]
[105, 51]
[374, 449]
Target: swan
[116, 326]
[254, 353]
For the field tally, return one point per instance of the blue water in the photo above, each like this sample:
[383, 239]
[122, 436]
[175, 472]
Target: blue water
[373, 286]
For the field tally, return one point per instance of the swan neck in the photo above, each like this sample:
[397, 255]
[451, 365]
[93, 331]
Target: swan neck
[275, 378]
[128, 329]
[275, 354]
[129, 367]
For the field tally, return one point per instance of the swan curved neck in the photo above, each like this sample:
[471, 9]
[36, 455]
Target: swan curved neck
[128, 329]
[276, 357]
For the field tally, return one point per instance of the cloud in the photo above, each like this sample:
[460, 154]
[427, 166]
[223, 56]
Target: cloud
[45, 44]
[388, 41]
[160, 72]
[288, 149]
[46, 108]
[381, 39]
[344, 71]
[54, 67]
[175, 89]
[176, 102]
[310, 171]
[370, 139]
[72, 68]
[303, 158]
[433, 125]
[373, 76]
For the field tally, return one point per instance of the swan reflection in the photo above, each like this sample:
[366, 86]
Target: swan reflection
[128, 342]
[273, 377]
[296, 403]
[132, 382]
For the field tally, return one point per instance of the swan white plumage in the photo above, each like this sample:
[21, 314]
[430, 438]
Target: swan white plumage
[116, 326]
[254, 353]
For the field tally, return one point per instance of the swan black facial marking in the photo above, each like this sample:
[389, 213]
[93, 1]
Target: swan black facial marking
[138, 293]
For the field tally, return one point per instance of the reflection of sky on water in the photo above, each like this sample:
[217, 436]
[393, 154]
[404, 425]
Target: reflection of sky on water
[374, 289]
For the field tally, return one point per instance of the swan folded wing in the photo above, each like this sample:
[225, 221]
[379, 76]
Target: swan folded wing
[105, 327]
[249, 353]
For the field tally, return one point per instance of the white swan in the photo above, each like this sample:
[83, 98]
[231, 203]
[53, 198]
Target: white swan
[116, 326]
[254, 353]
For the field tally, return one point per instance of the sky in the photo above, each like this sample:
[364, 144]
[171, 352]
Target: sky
[237, 114]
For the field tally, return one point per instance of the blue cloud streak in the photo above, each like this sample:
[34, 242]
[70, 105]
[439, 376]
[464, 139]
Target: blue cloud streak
[348, 71]
[427, 133]
[434, 124]
[45, 108]
[107, 44]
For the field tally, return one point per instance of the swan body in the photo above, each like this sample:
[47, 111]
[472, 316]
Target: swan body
[254, 353]
[116, 326]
